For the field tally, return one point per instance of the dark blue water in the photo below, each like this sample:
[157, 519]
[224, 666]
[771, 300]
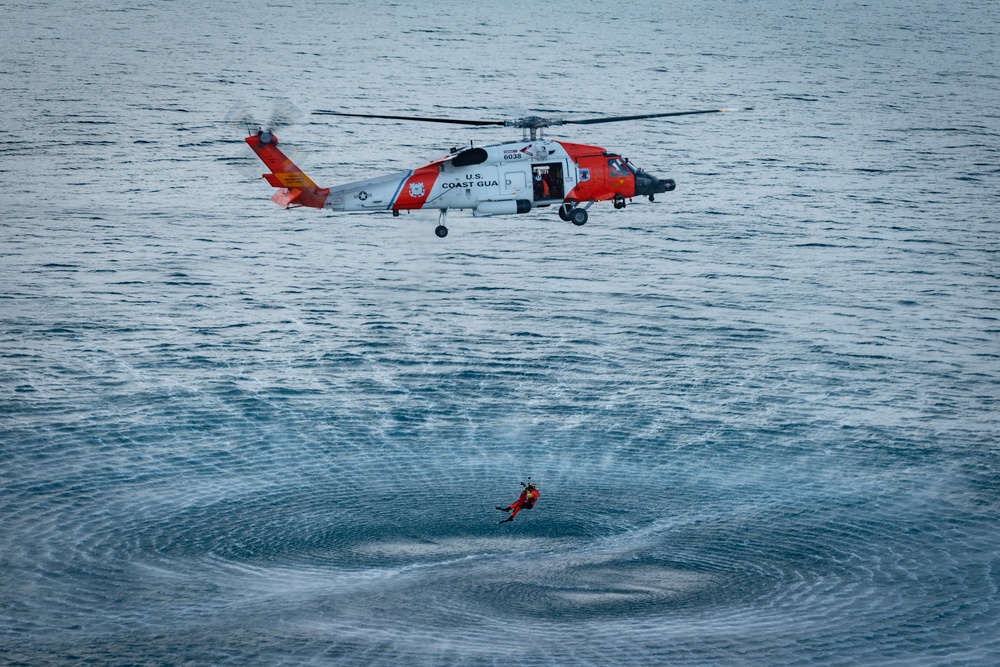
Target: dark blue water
[762, 412]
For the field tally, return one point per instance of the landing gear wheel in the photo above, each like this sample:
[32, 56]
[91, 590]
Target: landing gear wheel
[441, 231]
[619, 201]
[578, 217]
[564, 211]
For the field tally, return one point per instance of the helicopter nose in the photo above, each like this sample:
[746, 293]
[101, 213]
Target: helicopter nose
[644, 183]
[647, 185]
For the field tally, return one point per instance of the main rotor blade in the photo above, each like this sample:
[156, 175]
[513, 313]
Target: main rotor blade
[615, 119]
[453, 121]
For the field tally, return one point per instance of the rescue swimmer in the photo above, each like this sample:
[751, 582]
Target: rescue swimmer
[525, 501]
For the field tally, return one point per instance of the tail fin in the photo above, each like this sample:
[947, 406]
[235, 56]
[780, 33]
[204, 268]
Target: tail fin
[297, 189]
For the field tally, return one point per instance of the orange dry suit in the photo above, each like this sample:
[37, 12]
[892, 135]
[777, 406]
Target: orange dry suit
[526, 501]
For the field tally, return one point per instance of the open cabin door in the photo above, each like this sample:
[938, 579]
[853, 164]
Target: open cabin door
[547, 181]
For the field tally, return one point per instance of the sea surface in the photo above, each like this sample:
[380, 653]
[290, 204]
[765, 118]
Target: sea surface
[763, 412]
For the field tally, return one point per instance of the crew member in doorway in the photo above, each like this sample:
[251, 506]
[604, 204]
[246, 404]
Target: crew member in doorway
[550, 183]
[541, 186]
[525, 502]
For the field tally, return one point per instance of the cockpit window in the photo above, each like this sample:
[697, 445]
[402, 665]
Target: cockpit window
[617, 168]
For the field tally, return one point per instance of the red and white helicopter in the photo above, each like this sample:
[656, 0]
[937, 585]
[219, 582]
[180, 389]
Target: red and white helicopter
[499, 179]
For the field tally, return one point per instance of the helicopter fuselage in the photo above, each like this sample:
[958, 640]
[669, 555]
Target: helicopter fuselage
[500, 179]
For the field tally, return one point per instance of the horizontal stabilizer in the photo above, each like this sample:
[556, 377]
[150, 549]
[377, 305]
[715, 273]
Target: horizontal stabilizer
[285, 197]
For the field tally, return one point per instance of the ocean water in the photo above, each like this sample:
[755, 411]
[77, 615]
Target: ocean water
[762, 412]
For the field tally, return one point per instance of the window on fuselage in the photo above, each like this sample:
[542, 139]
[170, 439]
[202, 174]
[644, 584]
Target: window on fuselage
[469, 157]
[617, 168]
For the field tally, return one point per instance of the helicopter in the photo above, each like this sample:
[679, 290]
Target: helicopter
[499, 179]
